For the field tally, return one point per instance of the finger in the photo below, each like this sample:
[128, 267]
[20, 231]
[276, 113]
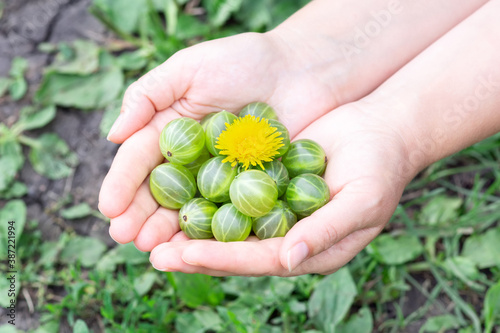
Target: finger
[159, 228]
[170, 261]
[233, 258]
[179, 237]
[360, 204]
[155, 91]
[338, 255]
[254, 257]
[125, 227]
[132, 164]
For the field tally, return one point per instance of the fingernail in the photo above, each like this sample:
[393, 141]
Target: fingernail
[113, 238]
[151, 258]
[189, 262]
[296, 255]
[165, 269]
[115, 126]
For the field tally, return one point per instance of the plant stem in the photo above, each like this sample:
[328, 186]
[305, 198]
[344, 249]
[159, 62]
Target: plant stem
[108, 24]
[464, 307]
[30, 142]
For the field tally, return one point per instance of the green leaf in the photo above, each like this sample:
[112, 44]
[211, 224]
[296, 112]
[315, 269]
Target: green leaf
[4, 85]
[32, 118]
[48, 327]
[47, 47]
[186, 322]
[395, 250]
[11, 161]
[121, 254]
[49, 252]
[261, 15]
[77, 211]
[285, 8]
[18, 88]
[198, 321]
[361, 322]
[441, 323]
[144, 282]
[83, 60]
[15, 190]
[198, 289]
[171, 13]
[18, 67]
[80, 327]
[483, 249]
[331, 300]
[464, 269]
[8, 328]
[440, 210]
[86, 250]
[11, 148]
[491, 307]
[7, 172]
[13, 211]
[189, 27]
[255, 14]
[51, 157]
[236, 319]
[219, 11]
[122, 15]
[134, 60]
[93, 91]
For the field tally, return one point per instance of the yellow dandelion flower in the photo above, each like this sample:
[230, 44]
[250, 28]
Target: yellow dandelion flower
[249, 141]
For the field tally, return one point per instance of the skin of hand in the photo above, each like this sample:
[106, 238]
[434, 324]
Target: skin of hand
[430, 109]
[222, 74]
[299, 68]
[364, 157]
[227, 74]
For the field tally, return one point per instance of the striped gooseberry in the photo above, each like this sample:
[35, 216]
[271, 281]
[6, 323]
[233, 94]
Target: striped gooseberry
[253, 192]
[230, 225]
[172, 185]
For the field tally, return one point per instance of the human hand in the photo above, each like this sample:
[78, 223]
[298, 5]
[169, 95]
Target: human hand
[366, 174]
[297, 69]
[222, 74]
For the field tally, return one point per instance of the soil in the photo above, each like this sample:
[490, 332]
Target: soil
[23, 26]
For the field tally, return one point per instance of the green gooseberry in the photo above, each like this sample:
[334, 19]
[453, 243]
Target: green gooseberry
[195, 218]
[214, 126]
[307, 193]
[277, 171]
[258, 109]
[253, 192]
[172, 185]
[284, 134]
[304, 156]
[230, 225]
[194, 167]
[182, 140]
[214, 179]
[204, 120]
[276, 223]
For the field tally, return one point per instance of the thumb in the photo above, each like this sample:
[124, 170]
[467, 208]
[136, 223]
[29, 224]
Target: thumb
[155, 91]
[352, 209]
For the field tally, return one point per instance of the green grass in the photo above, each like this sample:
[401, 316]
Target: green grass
[436, 266]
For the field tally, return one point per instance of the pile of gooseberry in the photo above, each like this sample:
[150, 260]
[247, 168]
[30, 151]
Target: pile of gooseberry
[216, 199]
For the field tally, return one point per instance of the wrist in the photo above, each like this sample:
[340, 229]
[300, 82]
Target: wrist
[313, 57]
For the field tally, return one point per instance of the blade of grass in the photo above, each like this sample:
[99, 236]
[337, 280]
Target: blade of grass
[450, 172]
[431, 300]
[455, 297]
